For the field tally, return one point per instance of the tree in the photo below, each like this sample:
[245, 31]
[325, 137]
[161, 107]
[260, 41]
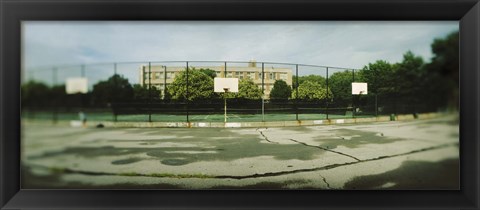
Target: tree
[200, 86]
[313, 78]
[409, 75]
[309, 90]
[280, 90]
[248, 90]
[209, 72]
[115, 89]
[142, 93]
[443, 70]
[380, 77]
[35, 94]
[59, 97]
[340, 83]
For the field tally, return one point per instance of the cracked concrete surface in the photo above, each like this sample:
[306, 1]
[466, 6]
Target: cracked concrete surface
[324, 149]
[361, 156]
[265, 137]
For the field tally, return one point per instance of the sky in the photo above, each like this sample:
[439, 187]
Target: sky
[345, 44]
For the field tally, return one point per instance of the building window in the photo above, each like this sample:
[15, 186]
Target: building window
[229, 74]
[271, 76]
[218, 73]
[250, 75]
[283, 76]
[239, 75]
[145, 76]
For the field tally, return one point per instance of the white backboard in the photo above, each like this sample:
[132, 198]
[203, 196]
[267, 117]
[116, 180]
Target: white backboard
[76, 85]
[359, 88]
[221, 83]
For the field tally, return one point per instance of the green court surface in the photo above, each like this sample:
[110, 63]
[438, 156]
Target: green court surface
[108, 116]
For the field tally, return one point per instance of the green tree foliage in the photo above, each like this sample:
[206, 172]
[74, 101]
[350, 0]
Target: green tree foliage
[410, 72]
[209, 72]
[35, 94]
[58, 95]
[309, 90]
[443, 70]
[58, 92]
[115, 89]
[200, 86]
[340, 83]
[142, 93]
[246, 90]
[280, 90]
[445, 57]
[313, 78]
[380, 77]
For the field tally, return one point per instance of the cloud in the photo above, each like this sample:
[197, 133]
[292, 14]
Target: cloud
[335, 43]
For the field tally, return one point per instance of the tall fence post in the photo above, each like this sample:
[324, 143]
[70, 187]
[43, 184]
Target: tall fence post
[263, 91]
[225, 70]
[55, 99]
[376, 92]
[82, 69]
[296, 91]
[115, 81]
[32, 107]
[164, 82]
[186, 93]
[353, 96]
[328, 95]
[149, 92]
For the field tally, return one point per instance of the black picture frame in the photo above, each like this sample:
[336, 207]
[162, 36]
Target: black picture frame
[12, 12]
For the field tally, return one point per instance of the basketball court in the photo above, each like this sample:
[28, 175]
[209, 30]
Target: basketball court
[419, 154]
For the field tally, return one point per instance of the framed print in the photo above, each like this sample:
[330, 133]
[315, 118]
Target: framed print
[239, 104]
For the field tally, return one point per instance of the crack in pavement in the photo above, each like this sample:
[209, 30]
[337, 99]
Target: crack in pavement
[269, 174]
[337, 165]
[329, 150]
[325, 180]
[265, 137]
[308, 145]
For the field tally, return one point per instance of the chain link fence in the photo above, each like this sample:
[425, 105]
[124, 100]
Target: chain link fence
[182, 91]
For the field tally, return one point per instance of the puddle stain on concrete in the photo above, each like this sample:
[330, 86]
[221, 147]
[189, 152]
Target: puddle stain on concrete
[231, 148]
[358, 138]
[126, 161]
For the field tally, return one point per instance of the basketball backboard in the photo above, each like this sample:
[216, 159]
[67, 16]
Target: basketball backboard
[76, 85]
[359, 88]
[231, 84]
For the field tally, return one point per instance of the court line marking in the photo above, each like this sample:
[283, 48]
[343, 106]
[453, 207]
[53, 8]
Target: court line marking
[234, 115]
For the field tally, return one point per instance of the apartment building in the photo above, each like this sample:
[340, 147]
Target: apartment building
[162, 76]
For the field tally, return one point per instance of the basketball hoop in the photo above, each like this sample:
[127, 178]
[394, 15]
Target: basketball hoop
[225, 85]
